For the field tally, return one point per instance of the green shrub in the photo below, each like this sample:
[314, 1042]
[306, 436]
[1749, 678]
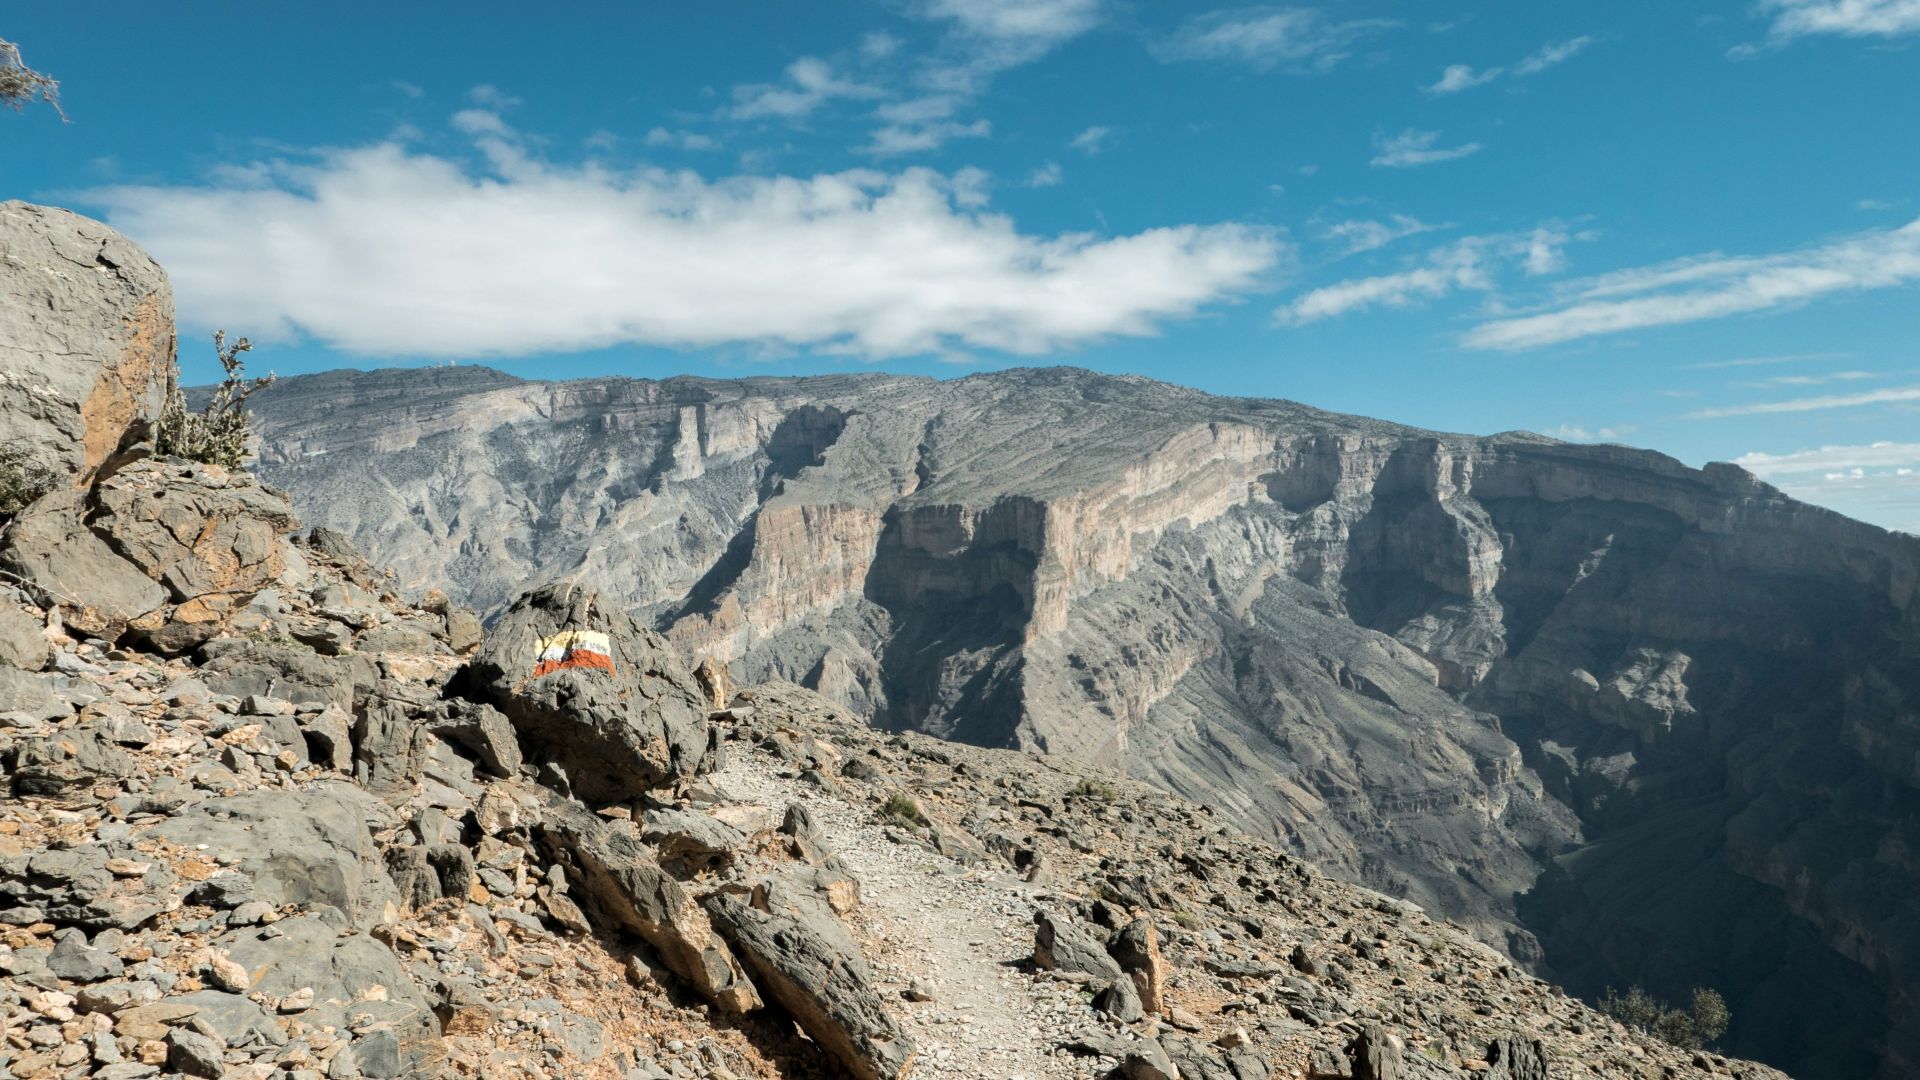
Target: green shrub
[901, 808]
[1095, 789]
[218, 434]
[22, 480]
[1702, 1022]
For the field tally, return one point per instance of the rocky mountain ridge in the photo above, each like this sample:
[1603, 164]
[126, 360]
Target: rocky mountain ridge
[266, 818]
[1631, 721]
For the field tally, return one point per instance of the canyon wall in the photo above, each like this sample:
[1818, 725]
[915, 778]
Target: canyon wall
[1631, 721]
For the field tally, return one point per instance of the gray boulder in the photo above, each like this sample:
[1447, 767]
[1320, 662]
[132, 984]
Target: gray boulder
[23, 635]
[1516, 1057]
[616, 878]
[52, 550]
[1060, 944]
[86, 338]
[300, 847]
[827, 995]
[592, 691]
[343, 973]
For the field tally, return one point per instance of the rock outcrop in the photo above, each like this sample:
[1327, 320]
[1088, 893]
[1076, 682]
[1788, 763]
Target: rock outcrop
[86, 339]
[1626, 719]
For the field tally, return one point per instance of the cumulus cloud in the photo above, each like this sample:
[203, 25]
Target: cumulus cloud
[1711, 287]
[1469, 264]
[1411, 149]
[1846, 18]
[1297, 38]
[1048, 175]
[385, 250]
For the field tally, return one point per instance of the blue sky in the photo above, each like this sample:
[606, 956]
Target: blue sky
[1694, 227]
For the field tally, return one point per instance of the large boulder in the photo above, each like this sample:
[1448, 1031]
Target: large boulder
[166, 548]
[86, 338]
[825, 989]
[592, 693]
[627, 890]
[297, 847]
[212, 537]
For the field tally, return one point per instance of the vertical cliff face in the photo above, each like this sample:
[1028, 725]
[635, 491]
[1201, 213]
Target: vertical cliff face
[1631, 721]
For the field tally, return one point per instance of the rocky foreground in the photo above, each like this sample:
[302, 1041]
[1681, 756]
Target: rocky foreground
[331, 834]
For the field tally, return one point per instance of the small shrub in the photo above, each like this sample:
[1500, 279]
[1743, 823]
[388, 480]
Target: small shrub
[1187, 919]
[1702, 1022]
[22, 480]
[1095, 789]
[218, 434]
[903, 809]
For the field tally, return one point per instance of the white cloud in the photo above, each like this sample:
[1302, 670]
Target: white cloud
[1877, 482]
[1710, 287]
[878, 45]
[684, 140]
[896, 139]
[412, 90]
[1298, 38]
[1354, 237]
[1460, 77]
[1031, 21]
[1092, 140]
[1813, 404]
[1468, 264]
[1549, 55]
[1847, 18]
[1579, 433]
[1831, 459]
[1048, 175]
[1808, 380]
[491, 97]
[1413, 148]
[385, 251]
[810, 84]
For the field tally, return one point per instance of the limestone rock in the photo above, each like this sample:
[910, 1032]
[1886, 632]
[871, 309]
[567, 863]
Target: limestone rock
[813, 981]
[590, 689]
[86, 338]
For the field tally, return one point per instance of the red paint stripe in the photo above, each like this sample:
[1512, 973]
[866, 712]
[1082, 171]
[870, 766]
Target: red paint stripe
[582, 659]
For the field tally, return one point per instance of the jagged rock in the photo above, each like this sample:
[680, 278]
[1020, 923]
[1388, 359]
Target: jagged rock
[298, 674]
[211, 536]
[76, 961]
[195, 1054]
[23, 635]
[1060, 944]
[484, 730]
[1119, 1000]
[691, 841]
[625, 889]
[590, 689]
[1377, 1054]
[86, 338]
[1516, 1057]
[75, 758]
[815, 982]
[1136, 948]
[299, 847]
[349, 977]
[53, 552]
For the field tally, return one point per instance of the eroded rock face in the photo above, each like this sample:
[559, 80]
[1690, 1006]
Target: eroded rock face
[591, 691]
[1423, 660]
[86, 338]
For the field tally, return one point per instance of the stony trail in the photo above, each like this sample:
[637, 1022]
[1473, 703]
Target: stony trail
[966, 934]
